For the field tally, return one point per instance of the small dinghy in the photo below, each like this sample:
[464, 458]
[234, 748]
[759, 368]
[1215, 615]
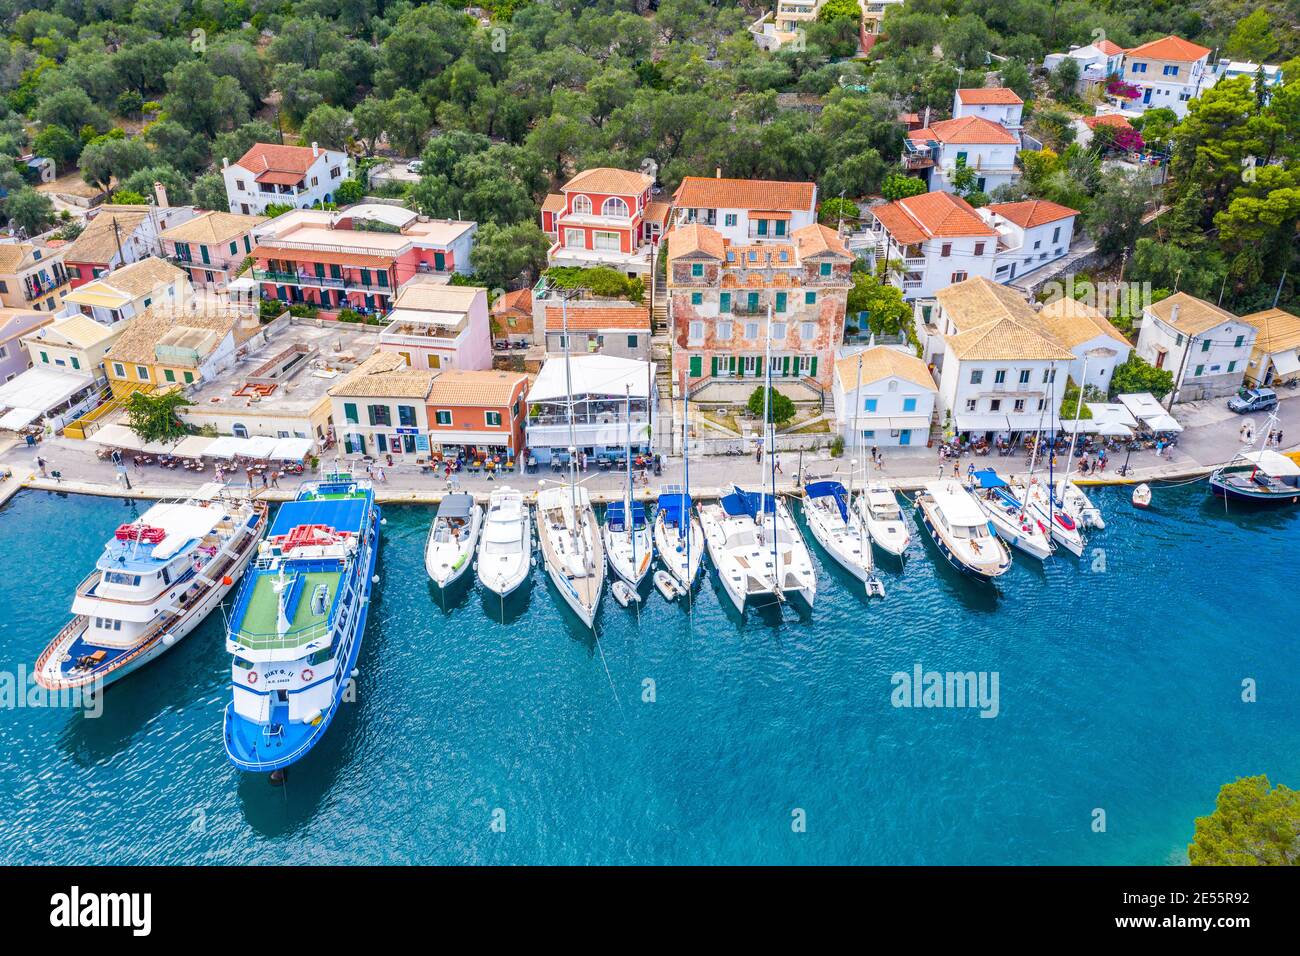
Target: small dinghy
[668, 586]
[1142, 495]
[624, 593]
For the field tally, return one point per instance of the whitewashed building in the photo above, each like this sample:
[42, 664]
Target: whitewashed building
[1205, 347]
[745, 210]
[1090, 336]
[1031, 234]
[297, 176]
[982, 145]
[883, 396]
[994, 103]
[1168, 73]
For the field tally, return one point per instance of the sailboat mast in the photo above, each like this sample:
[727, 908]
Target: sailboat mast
[1078, 409]
[630, 525]
[769, 435]
[857, 439]
[684, 520]
[573, 437]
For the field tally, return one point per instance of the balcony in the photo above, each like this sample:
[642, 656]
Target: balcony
[327, 282]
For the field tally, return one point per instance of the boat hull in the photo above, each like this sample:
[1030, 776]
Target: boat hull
[859, 565]
[683, 565]
[235, 729]
[49, 675]
[619, 554]
[504, 583]
[1260, 499]
[978, 574]
[442, 573]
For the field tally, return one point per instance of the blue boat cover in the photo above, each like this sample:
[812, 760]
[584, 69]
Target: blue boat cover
[341, 514]
[747, 503]
[616, 515]
[988, 478]
[830, 489]
[674, 505]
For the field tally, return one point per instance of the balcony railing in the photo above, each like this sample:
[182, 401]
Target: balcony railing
[328, 282]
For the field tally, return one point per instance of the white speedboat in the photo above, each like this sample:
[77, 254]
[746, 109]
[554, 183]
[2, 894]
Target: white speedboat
[1078, 505]
[878, 507]
[157, 579]
[961, 530]
[505, 546]
[1011, 520]
[449, 550]
[838, 528]
[679, 539]
[571, 548]
[628, 543]
[1142, 495]
[757, 549]
[1040, 503]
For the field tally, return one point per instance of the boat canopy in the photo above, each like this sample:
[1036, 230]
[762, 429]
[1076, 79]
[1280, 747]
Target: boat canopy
[616, 515]
[675, 504]
[1271, 463]
[747, 503]
[830, 489]
[456, 506]
[988, 478]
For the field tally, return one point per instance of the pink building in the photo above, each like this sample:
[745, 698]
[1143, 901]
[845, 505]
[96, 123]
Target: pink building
[357, 257]
[434, 325]
[211, 247]
[604, 217]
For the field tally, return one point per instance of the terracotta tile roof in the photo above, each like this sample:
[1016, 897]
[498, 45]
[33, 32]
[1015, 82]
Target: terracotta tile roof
[144, 332]
[213, 227]
[966, 130]
[995, 322]
[598, 318]
[437, 296]
[765, 255]
[607, 180]
[290, 254]
[657, 212]
[554, 202]
[1072, 322]
[384, 375]
[486, 388]
[1032, 212]
[1108, 48]
[934, 215]
[16, 256]
[139, 278]
[77, 330]
[521, 300]
[1194, 315]
[1278, 330]
[1108, 119]
[990, 96]
[703, 192]
[1170, 48]
[695, 239]
[882, 362]
[816, 239]
[97, 242]
[266, 157]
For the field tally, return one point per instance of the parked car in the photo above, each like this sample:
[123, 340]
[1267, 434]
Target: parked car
[1253, 400]
[415, 165]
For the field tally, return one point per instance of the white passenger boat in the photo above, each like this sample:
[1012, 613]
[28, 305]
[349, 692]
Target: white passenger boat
[840, 530]
[157, 579]
[505, 548]
[961, 531]
[757, 549]
[449, 550]
[878, 506]
[679, 539]
[571, 548]
[1011, 519]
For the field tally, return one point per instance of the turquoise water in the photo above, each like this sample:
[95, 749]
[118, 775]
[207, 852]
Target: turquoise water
[1120, 689]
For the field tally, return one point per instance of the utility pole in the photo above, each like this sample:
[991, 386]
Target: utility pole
[1278, 294]
[1123, 263]
[117, 237]
[1178, 381]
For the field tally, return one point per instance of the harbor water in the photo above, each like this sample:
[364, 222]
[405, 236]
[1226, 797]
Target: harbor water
[688, 734]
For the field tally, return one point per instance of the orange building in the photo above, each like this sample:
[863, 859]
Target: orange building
[483, 410]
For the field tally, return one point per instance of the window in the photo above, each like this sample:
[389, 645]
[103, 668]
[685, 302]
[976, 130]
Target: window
[697, 269]
[614, 206]
[695, 366]
[239, 184]
[1056, 234]
[961, 158]
[751, 330]
[1178, 339]
[1049, 375]
[119, 370]
[142, 372]
[1000, 376]
[724, 302]
[379, 414]
[189, 376]
[1139, 67]
[442, 416]
[959, 277]
[1024, 376]
[1170, 70]
[4, 353]
[695, 333]
[945, 250]
[1240, 339]
[971, 404]
[492, 419]
[868, 434]
[825, 268]
[406, 416]
[729, 219]
[810, 298]
[778, 331]
[169, 375]
[979, 248]
[697, 298]
[976, 376]
[869, 404]
[724, 331]
[807, 331]
[1019, 405]
[75, 362]
[780, 301]
[631, 341]
[609, 241]
[581, 206]
[1232, 366]
[1199, 370]
[995, 404]
[350, 413]
[1205, 346]
[909, 404]
[575, 239]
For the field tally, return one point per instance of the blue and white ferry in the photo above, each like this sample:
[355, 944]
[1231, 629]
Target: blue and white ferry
[298, 622]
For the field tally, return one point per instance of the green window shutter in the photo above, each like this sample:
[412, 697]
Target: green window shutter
[810, 298]
[203, 251]
[780, 227]
[697, 298]
[724, 302]
[169, 375]
[383, 278]
[350, 412]
[785, 365]
[812, 368]
[758, 366]
[365, 277]
[696, 366]
[76, 364]
[336, 272]
[731, 364]
[440, 261]
[780, 301]
[320, 270]
[753, 301]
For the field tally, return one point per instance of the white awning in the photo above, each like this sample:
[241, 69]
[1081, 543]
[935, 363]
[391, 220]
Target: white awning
[192, 446]
[1271, 463]
[1151, 412]
[41, 388]
[992, 422]
[1111, 412]
[1286, 363]
[1163, 423]
[230, 446]
[887, 422]
[290, 449]
[119, 436]
[17, 418]
[603, 376]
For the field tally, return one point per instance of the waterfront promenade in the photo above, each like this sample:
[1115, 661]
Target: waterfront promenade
[1211, 437]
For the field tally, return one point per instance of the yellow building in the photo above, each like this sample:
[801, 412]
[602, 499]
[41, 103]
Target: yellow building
[1275, 357]
[170, 345]
[130, 290]
[76, 343]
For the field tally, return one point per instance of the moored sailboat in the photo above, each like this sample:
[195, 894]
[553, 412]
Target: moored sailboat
[839, 529]
[1009, 517]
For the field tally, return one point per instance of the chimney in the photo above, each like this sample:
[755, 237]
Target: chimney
[160, 192]
[225, 162]
[717, 172]
[315, 149]
[925, 121]
[1173, 314]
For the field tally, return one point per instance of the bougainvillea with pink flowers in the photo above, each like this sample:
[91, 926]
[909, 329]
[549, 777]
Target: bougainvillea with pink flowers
[1128, 139]
[1119, 88]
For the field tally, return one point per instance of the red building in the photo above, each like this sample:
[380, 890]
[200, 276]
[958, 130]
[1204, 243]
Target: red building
[604, 217]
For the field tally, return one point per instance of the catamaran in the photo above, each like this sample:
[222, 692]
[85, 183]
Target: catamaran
[505, 552]
[1010, 519]
[298, 622]
[449, 550]
[156, 580]
[840, 530]
[961, 530]
[756, 549]
[628, 542]
[679, 539]
[571, 549]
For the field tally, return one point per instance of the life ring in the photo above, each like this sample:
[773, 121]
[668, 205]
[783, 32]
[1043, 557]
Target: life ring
[306, 674]
[252, 677]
